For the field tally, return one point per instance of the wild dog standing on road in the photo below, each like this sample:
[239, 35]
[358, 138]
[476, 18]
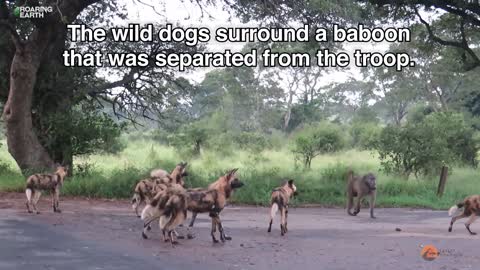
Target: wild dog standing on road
[279, 201]
[145, 189]
[174, 212]
[157, 206]
[471, 209]
[213, 199]
[38, 182]
[179, 171]
[361, 186]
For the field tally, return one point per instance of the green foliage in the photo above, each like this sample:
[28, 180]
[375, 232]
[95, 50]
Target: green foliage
[190, 139]
[440, 139]
[364, 134]
[85, 130]
[317, 139]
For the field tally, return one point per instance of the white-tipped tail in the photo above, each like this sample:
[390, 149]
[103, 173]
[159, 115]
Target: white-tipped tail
[273, 210]
[150, 212]
[452, 210]
[28, 192]
[163, 221]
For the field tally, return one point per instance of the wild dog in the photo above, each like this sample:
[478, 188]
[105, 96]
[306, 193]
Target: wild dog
[145, 189]
[174, 212]
[213, 199]
[192, 190]
[471, 209]
[38, 182]
[179, 171]
[156, 207]
[361, 186]
[279, 201]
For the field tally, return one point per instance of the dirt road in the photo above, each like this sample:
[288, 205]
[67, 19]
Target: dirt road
[94, 234]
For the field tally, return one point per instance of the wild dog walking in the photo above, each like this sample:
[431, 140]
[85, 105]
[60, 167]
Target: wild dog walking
[155, 207]
[145, 189]
[279, 201]
[38, 182]
[361, 186]
[471, 209]
[174, 212]
[212, 200]
[181, 172]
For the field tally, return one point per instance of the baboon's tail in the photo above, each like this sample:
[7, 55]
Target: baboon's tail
[273, 210]
[28, 192]
[455, 208]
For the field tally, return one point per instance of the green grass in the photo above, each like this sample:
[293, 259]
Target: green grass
[114, 176]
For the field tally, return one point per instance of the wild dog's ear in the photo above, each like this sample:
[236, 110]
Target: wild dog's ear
[290, 182]
[231, 174]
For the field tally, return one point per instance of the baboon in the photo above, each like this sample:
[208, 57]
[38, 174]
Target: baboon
[279, 201]
[38, 182]
[361, 186]
[471, 209]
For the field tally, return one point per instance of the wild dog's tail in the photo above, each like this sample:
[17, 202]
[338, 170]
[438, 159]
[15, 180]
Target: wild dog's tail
[136, 199]
[273, 210]
[455, 208]
[28, 192]
[164, 219]
[150, 213]
[174, 213]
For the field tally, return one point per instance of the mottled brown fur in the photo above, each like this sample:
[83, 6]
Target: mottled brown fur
[471, 209]
[174, 211]
[361, 186]
[38, 182]
[145, 189]
[279, 201]
[212, 200]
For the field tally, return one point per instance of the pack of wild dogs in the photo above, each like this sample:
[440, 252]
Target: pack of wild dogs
[167, 200]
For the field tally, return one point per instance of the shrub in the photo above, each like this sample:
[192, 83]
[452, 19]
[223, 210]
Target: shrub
[253, 142]
[364, 134]
[190, 139]
[440, 139]
[316, 139]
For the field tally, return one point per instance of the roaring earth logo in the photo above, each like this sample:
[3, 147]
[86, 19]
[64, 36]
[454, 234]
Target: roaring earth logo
[429, 253]
[26, 12]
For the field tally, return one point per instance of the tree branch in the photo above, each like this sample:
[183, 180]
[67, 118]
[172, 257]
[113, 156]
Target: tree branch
[13, 33]
[458, 44]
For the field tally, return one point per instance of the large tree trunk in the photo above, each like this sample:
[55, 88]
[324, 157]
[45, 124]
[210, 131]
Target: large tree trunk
[23, 143]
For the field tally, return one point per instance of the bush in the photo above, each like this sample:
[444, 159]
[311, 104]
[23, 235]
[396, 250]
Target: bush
[440, 139]
[364, 134]
[316, 139]
[250, 141]
[190, 139]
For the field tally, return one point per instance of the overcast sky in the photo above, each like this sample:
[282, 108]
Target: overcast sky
[188, 14]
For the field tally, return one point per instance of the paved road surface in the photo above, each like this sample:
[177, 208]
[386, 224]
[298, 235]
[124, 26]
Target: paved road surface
[93, 234]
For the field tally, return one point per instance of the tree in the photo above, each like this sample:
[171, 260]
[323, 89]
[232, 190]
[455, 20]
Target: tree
[39, 86]
[455, 23]
[317, 139]
[413, 149]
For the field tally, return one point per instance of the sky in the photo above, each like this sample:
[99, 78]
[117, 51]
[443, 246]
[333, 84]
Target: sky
[188, 14]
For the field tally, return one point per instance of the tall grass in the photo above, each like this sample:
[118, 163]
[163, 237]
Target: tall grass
[114, 176]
